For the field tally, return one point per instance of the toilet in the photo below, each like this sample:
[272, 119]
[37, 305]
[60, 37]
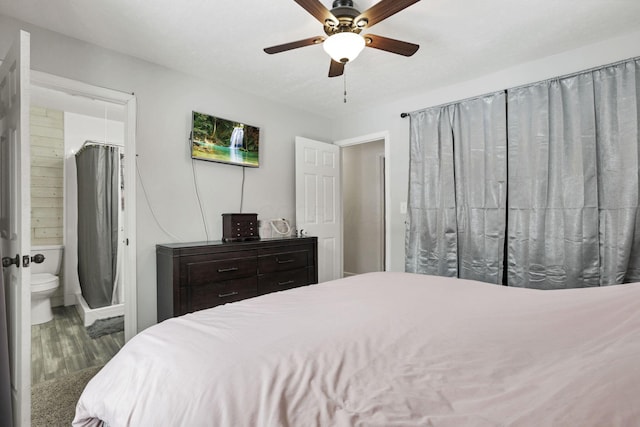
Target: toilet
[44, 282]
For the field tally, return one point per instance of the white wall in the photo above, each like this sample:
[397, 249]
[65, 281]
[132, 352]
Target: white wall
[386, 115]
[165, 101]
[79, 128]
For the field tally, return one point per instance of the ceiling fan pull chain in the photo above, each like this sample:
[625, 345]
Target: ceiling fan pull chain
[344, 78]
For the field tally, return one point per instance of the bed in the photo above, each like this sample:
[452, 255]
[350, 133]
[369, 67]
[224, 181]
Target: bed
[383, 349]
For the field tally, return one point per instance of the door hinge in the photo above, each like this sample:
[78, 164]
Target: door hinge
[26, 260]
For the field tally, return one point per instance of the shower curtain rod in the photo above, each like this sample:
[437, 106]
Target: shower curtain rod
[89, 143]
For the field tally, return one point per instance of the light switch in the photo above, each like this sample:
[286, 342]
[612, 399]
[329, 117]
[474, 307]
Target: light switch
[403, 207]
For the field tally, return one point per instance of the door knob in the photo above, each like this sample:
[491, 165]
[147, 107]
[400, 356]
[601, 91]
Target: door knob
[8, 261]
[37, 258]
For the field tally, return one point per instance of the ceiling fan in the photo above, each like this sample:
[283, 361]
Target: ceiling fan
[343, 25]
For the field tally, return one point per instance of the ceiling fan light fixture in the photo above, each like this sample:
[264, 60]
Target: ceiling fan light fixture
[344, 47]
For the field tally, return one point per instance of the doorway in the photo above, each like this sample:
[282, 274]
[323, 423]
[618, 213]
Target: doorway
[363, 204]
[364, 201]
[61, 126]
[85, 117]
[78, 97]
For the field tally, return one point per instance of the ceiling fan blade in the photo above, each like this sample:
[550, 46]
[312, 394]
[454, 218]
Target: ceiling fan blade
[294, 45]
[317, 9]
[390, 45]
[383, 10]
[336, 68]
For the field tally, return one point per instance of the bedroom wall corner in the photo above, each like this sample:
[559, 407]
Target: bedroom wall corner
[386, 115]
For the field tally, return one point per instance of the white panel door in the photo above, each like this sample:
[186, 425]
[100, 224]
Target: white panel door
[15, 219]
[318, 202]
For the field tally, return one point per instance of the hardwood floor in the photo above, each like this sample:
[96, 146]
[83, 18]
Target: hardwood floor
[62, 346]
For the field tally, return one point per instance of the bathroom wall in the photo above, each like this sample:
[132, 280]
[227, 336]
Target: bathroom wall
[47, 183]
[79, 128]
[47, 163]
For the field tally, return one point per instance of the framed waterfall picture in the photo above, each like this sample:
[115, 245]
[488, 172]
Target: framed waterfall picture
[220, 140]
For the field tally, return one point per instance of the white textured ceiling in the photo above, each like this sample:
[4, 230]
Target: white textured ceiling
[223, 41]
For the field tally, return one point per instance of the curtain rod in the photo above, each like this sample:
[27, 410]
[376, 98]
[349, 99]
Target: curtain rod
[403, 115]
[90, 143]
[564, 76]
[107, 144]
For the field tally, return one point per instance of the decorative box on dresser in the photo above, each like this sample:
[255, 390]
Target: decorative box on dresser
[195, 276]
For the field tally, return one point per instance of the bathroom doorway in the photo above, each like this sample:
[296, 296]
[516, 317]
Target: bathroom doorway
[68, 117]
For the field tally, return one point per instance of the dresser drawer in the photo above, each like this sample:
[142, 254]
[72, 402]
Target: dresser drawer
[205, 296]
[283, 261]
[199, 272]
[273, 282]
[199, 275]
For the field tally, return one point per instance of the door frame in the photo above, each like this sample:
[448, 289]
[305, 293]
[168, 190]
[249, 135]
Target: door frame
[377, 136]
[128, 101]
[18, 238]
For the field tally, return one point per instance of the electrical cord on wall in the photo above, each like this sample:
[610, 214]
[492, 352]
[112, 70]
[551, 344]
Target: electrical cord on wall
[242, 190]
[144, 190]
[146, 197]
[195, 184]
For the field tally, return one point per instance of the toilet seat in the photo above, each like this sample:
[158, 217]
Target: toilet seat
[43, 282]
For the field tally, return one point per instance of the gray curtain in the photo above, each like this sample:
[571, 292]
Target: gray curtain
[573, 218]
[573, 173]
[457, 191]
[97, 173]
[553, 197]
[617, 107]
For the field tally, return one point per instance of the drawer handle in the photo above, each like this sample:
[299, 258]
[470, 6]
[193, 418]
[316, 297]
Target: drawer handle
[226, 270]
[288, 282]
[286, 261]
[230, 294]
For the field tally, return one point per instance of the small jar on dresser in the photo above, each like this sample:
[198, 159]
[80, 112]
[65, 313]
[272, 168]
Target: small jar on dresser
[195, 276]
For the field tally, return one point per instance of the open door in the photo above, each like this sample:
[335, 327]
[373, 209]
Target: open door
[15, 219]
[318, 202]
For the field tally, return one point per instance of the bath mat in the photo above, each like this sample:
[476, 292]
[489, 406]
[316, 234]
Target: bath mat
[105, 326]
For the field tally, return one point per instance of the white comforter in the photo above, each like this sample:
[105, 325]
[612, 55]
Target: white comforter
[384, 349]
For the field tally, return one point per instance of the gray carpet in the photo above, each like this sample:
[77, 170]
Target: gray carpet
[53, 402]
[105, 326]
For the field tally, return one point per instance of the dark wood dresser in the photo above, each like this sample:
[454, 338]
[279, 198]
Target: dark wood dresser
[195, 276]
